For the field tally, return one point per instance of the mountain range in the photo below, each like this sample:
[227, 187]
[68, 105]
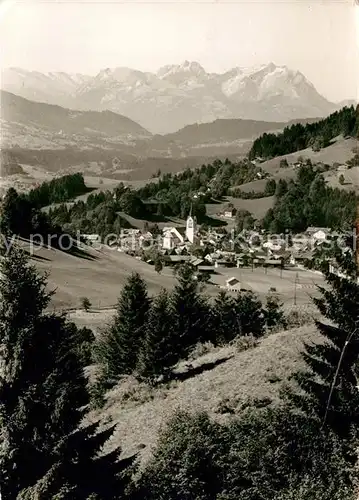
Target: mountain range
[35, 126]
[177, 95]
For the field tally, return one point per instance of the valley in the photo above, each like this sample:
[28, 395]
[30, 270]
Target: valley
[179, 251]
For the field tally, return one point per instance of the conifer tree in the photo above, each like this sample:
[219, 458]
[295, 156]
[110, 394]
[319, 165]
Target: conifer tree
[273, 313]
[120, 344]
[43, 398]
[158, 349]
[190, 311]
[224, 325]
[329, 386]
[249, 314]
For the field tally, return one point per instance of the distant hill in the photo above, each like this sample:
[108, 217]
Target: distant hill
[30, 125]
[225, 131]
[37, 125]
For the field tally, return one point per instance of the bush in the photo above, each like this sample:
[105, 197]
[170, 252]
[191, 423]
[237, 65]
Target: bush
[201, 349]
[245, 342]
[261, 455]
[187, 461]
[86, 340]
[296, 318]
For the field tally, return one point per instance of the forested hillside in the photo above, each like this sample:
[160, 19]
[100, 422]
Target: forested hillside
[316, 135]
[308, 201]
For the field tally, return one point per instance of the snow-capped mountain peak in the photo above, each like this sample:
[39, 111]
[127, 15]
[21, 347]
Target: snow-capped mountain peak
[187, 68]
[177, 94]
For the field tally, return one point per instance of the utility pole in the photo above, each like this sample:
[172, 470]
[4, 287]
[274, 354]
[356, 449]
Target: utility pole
[295, 288]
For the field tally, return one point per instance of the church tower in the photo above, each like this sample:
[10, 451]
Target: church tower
[191, 227]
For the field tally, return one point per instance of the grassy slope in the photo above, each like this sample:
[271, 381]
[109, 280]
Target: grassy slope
[100, 279]
[258, 372]
[257, 207]
[339, 152]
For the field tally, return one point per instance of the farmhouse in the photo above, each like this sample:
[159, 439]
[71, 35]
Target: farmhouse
[229, 213]
[299, 258]
[233, 284]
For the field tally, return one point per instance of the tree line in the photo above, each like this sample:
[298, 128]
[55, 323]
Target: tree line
[148, 336]
[21, 213]
[57, 190]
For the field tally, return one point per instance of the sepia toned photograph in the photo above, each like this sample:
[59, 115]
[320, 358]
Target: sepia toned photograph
[179, 250]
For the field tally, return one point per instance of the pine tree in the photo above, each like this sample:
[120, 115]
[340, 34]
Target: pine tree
[81, 473]
[158, 350]
[273, 313]
[190, 311]
[224, 325]
[43, 395]
[119, 346]
[329, 386]
[249, 314]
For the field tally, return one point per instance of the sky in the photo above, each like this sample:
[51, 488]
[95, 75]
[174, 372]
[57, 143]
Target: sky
[318, 38]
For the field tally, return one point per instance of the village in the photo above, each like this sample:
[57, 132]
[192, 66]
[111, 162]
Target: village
[224, 258]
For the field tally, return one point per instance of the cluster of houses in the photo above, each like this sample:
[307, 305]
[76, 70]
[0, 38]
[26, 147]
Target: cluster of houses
[212, 249]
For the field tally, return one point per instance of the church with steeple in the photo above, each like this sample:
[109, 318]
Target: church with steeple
[191, 227]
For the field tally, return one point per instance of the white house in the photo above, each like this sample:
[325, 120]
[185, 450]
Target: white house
[274, 246]
[233, 284]
[91, 238]
[171, 238]
[229, 213]
[146, 239]
[318, 234]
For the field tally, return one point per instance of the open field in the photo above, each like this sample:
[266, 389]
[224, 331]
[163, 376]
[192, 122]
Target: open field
[101, 274]
[35, 175]
[351, 179]
[260, 280]
[338, 152]
[258, 207]
[259, 372]
[99, 277]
